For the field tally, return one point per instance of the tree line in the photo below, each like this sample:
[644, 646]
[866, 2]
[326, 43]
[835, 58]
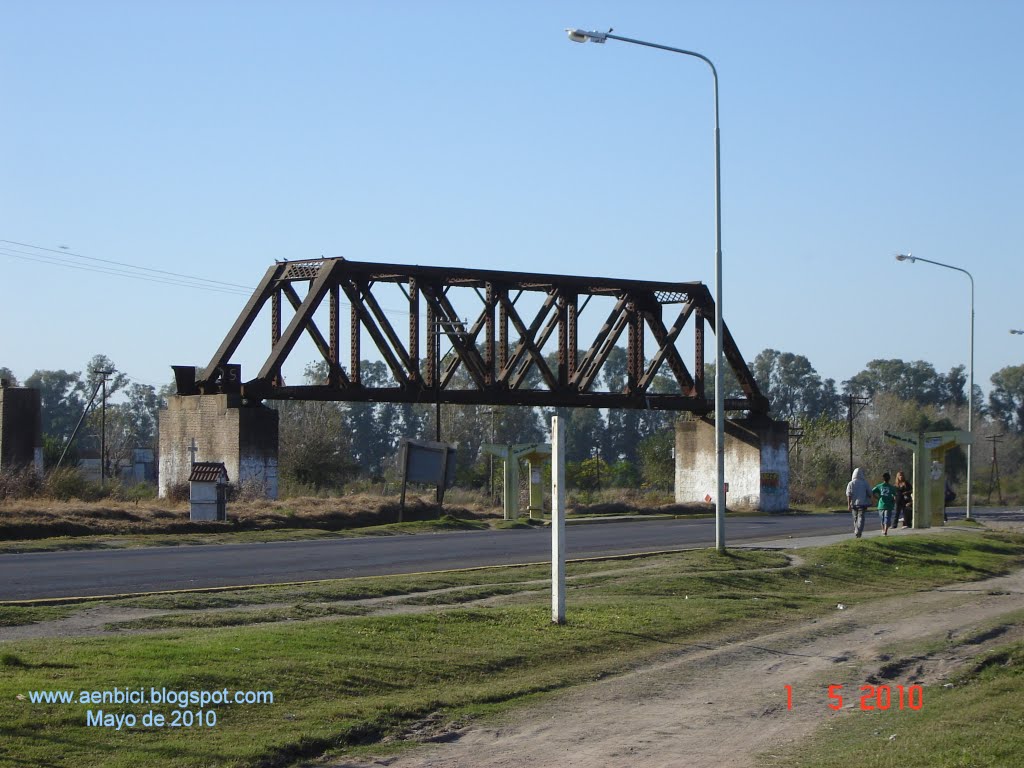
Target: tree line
[326, 445]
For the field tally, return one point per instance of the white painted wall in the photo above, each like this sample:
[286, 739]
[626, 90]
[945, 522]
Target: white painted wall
[756, 468]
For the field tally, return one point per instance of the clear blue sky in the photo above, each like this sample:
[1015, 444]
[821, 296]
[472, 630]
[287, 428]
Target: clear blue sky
[211, 138]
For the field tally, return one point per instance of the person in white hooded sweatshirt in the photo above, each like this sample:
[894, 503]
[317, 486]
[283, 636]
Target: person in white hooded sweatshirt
[858, 499]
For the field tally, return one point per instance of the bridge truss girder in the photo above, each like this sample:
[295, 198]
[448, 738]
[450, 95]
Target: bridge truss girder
[497, 349]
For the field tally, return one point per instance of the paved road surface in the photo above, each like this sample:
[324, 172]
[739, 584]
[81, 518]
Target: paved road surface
[104, 572]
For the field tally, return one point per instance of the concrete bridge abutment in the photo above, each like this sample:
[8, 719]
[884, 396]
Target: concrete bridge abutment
[219, 428]
[21, 428]
[756, 463]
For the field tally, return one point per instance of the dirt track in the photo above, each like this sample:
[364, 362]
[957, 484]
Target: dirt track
[724, 706]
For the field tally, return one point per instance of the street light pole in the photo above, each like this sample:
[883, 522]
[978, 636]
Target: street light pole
[970, 384]
[582, 36]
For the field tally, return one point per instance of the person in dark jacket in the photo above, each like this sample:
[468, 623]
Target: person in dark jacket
[904, 505]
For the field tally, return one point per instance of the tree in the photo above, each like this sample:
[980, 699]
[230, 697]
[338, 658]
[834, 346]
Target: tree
[956, 385]
[119, 438]
[8, 374]
[657, 460]
[314, 447]
[371, 426]
[130, 424]
[818, 469]
[116, 380]
[142, 408]
[623, 426]
[793, 386]
[1006, 399]
[590, 474]
[732, 384]
[585, 428]
[62, 401]
[917, 381]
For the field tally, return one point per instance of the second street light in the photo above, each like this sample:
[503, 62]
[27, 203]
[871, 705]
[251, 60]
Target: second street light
[970, 385]
[582, 36]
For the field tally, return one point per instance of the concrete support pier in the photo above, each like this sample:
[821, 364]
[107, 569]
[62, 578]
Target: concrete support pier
[219, 428]
[21, 428]
[756, 463]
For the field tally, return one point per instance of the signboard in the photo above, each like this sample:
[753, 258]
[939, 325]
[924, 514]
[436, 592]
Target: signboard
[424, 461]
[429, 462]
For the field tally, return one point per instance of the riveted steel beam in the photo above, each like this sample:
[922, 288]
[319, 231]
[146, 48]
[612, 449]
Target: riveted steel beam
[497, 349]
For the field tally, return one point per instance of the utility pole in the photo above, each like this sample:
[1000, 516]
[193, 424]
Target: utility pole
[853, 400]
[993, 480]
[103, 425]
[454, 328]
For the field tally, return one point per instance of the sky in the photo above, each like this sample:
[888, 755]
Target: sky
[210, 139]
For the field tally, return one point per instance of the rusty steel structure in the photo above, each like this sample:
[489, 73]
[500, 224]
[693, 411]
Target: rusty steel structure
[496, 350]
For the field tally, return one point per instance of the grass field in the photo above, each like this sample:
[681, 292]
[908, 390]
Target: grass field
[976, 720]
[345, 671]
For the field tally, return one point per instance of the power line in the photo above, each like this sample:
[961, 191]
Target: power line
[119, 269]
[63, 252]
[181, 283]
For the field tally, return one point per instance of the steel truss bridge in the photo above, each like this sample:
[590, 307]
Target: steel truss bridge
[513, 318]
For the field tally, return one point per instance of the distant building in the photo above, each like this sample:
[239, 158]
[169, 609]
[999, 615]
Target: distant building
[141, 469]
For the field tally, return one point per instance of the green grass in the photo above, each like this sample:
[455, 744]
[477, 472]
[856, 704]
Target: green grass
[16, 615]
[343, 681]
[978, 722]
[207, 619]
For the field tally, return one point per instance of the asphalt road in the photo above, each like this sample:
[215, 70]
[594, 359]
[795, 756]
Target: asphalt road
[107, 572]
[103, 572]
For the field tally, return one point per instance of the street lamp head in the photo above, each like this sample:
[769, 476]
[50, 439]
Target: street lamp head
[582, 36]
[1017, 332]
[905, 257]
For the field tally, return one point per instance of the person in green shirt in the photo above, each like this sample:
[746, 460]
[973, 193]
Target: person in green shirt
[886, 502]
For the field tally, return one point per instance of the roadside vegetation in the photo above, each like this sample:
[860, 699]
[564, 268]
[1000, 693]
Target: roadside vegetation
[618, 459]
[355, 662]
[973, 719]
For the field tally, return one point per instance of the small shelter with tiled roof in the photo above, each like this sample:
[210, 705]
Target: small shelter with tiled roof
[208, 491]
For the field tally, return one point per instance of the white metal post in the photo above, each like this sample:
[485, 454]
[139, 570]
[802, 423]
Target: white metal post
[557, 522]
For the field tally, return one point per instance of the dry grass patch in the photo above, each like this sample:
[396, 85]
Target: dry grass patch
[36, 518]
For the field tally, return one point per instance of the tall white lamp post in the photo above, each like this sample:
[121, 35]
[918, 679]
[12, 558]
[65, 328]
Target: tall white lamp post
[582, 36]
[970, 385]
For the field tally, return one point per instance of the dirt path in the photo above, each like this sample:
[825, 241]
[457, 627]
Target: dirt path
[724, 706]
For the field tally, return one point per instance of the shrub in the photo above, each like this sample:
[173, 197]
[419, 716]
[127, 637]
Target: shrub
[66, 483]
[136, 492]
[19, 483]
[250, 489]
[178, 492]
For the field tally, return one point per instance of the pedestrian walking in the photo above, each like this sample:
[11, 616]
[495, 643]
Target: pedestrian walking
[904, 504]
[858, 498]
[886, 494]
